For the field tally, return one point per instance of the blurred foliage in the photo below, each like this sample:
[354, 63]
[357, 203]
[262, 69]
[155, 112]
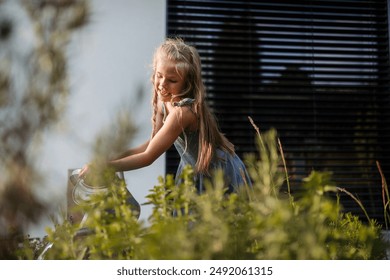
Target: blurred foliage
[259, 222]
[33, 93]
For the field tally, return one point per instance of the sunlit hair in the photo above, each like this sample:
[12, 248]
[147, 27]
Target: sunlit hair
[188, 66]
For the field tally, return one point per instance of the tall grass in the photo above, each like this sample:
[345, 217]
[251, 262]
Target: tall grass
[385, 197]
[254, 223]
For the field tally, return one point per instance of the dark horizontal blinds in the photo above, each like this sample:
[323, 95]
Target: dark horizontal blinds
[316, 71]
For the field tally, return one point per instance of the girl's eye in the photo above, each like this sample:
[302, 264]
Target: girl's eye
[160, 76]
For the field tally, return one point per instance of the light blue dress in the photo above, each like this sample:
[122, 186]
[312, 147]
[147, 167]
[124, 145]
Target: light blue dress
[234, 170]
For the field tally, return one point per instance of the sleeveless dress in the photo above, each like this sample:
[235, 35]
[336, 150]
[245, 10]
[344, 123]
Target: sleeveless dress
[187, 144]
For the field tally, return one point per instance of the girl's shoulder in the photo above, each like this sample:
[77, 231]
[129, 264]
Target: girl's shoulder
[182, 110]
[184, 113]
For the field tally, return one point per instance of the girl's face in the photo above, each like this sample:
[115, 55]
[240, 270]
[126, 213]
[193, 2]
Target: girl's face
[167, 82]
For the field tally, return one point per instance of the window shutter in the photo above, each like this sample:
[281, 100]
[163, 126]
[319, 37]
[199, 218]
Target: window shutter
[316, 71]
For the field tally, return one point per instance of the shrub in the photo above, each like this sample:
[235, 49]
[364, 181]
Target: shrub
[258, 222]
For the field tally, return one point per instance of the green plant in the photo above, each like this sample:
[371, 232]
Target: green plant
[33, 95]
[385, 197]
[254, 223]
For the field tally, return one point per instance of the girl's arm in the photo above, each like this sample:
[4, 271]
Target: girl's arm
[141, 148]
[177, 120]
[131, 152]
[86, 168]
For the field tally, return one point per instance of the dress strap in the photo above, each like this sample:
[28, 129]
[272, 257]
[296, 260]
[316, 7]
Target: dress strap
[181, 103]
[184, 102]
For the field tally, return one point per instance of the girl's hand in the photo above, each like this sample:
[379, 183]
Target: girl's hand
[84, 171]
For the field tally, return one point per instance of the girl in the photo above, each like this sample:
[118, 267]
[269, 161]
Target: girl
[182, 117]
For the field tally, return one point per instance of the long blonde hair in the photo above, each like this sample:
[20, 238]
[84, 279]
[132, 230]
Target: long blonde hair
[188, 64]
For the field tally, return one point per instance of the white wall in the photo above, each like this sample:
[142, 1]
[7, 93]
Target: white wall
[109, 62]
